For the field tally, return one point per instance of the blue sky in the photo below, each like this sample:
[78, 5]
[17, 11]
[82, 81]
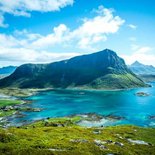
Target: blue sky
[42, 31]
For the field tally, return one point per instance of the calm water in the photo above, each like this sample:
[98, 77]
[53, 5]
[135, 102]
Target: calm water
[135, 109]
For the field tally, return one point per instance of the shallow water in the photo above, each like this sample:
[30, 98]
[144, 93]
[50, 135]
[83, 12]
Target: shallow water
[125, 103]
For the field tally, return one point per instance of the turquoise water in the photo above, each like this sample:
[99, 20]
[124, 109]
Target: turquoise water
[57, 103]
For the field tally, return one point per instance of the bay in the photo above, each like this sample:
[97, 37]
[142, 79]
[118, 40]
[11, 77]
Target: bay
[135, 110]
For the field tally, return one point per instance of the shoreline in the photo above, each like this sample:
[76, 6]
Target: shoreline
[26, 92]
[88, 120]
[31, 92]
[65, 135]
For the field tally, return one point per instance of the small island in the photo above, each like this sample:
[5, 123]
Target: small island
[142, 94]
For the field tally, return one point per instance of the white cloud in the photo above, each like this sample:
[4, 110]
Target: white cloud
[96, 29]
[2, 24]
[18, 56]
[23, 46]
[59, 35]
[25, 7]
[144, 50]
[132, 26]
[142, 54]
[91, 31]
[8, 41]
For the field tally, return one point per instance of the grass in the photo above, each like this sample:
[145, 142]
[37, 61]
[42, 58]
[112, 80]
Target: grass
[70, 139]
[4, 103]
[116, 81]
[61, 136]
[66, 121]
[6, 113]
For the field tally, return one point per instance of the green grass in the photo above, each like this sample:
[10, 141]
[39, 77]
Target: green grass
[62, 121]
[39, 139]
[116, 81]
[4, 103]
[6, 113]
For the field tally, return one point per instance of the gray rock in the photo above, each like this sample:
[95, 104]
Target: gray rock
[119, 144]
[103, 147]
[96, 131]
[79, 141]
[140, 142]
[109, 141]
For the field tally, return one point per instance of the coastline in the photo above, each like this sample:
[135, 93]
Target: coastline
[26, 92]
[21, 94]
[66, 135]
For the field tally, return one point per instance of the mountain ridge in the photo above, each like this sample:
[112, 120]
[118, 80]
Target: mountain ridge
[6, 71]
[142, 69]
[145, 72]
[100, 70]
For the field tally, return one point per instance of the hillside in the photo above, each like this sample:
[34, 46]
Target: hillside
[61, 136]
[141, 69]
[145, 72]
[101, 70]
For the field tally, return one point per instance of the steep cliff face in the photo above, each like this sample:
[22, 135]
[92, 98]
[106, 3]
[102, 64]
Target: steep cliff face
[101, 70]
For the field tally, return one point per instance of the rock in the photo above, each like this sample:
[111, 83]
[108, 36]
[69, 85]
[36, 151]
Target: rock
[60, 125]
[103, 147]
[78, 140]
[52, 149]
[114, 117]
[140, 142]
[37, 110]
[96, 131]
[109, 141]
[31, 109]
[152, 117]
[99, 142]
[118, 135]
[142, 94]
[7, 108]
[119, 144]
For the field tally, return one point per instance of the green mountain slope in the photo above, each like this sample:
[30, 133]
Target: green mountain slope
[101, 70]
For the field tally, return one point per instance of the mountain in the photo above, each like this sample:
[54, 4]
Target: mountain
[145, 72]
[101, 70]
[141, 69]
[5, 71]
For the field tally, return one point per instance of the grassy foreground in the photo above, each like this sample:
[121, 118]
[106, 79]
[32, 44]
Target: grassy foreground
[62, 136]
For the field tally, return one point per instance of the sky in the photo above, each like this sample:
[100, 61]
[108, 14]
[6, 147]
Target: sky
[43, 31]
